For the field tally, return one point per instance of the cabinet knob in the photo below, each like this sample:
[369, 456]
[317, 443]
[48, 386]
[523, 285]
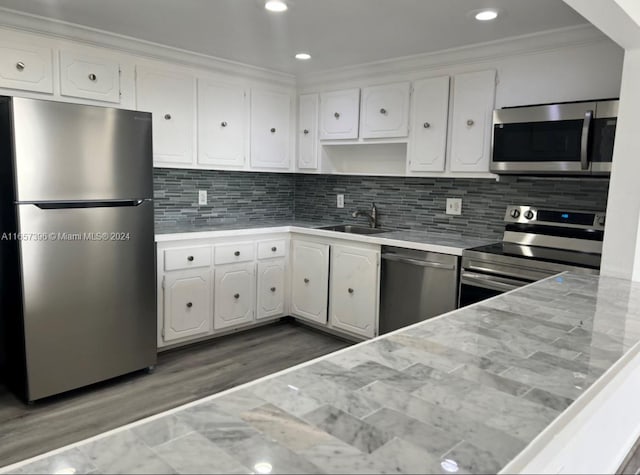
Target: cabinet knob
[237, 253]
[20, 66]
[167, 117]
[189, 305]
[190, 258]
[336, 115]
[274, 249]
[273, 130]
[236, 296]
[224, 123]
[383, 111]
[306, 281]
[470, 122]
[305, 131]
[273, 289]
[350, 290]
[426, 125]
[92, 77]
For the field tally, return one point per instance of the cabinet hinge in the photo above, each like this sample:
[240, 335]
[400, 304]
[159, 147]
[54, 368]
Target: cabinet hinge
[163, 279]
[162, 332]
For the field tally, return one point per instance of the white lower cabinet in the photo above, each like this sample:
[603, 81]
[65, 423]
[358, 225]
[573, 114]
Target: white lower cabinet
[187, 304]
[354, 288]
[271, 288]
[234, 302]
[309, 280]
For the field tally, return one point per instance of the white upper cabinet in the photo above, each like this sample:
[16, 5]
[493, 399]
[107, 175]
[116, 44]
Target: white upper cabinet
[222, 124]
[473, 103]
[429, 116]
[308, 131]
[354, 289]
[170, 97]
[26, 67]
[270, 134]
[339, 114]
[87, 77]
[385, 111]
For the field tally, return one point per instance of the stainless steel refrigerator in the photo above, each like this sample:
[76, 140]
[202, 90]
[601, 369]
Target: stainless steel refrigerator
[77, 239]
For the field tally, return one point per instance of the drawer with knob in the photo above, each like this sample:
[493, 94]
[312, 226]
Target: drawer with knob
[25, 67]
[270, 249]
[231, 253]
[87, 77]
[187, 258]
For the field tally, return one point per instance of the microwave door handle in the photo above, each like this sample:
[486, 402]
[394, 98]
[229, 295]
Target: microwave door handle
[584, 144]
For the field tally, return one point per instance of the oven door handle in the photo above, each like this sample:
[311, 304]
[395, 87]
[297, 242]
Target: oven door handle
[500, 284]
[584, 142]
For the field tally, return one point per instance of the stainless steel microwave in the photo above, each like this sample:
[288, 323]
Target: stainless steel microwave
[557, 139]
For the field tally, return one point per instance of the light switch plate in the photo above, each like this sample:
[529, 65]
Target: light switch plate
[202, 197]
[454, 206]
[340, 201]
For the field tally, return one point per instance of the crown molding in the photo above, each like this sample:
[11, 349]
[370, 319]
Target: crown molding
[91, 36]
[481, 52]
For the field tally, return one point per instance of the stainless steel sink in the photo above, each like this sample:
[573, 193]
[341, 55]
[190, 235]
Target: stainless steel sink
[348, 228]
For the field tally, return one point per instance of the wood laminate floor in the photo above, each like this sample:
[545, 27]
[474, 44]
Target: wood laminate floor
[181, 376]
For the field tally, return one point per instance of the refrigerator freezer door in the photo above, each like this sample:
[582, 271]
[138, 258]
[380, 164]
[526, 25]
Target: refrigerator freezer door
[70, 152]
[89, 299]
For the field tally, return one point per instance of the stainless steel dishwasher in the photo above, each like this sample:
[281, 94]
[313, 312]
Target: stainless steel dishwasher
[415, 286]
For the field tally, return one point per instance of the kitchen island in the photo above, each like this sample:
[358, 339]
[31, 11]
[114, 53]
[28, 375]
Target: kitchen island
[487, 388]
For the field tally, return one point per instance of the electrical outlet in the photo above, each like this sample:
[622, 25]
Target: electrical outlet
[202, 197]
[454, 206]
[340, 201]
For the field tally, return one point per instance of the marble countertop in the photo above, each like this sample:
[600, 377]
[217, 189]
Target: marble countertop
[465, 392]
[447, 243]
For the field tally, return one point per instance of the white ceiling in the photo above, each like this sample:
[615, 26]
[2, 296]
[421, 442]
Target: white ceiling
[336, 32]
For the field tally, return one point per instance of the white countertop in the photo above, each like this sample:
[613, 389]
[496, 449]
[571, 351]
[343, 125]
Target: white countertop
[452, 244]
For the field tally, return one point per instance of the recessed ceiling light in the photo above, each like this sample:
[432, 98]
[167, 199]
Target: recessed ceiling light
[276, 6]
[486, 15]
[303, 56]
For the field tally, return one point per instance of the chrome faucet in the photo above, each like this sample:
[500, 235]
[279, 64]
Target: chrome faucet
[372, 215]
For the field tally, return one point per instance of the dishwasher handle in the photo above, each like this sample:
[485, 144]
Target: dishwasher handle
[417, 262]
[492, 282]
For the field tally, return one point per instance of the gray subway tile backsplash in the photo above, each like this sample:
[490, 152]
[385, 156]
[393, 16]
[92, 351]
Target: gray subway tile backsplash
[419, 203]
[403, 202]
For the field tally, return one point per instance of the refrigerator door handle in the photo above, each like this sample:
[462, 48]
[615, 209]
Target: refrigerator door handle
[85, 204]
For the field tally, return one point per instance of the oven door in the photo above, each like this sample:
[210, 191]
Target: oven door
[475, 287]
[551, 139]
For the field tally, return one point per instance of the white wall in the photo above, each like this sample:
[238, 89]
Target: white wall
[620, 20]
[620, 252]
[577, 64]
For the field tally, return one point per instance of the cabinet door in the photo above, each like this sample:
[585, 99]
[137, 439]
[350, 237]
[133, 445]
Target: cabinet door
[270, 124]
[429, 116]
[271, 288]
[385, 111]
[89, 78]
[26, 67]
[234, 295]
[308, 131]
[221, 124]
[310, 280]
[354, 290]
[473, 103]
[170, 98]
[339, 114]
[187, 304]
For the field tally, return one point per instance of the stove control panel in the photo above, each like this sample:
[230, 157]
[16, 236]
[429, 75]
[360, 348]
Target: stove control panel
[555, 217]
